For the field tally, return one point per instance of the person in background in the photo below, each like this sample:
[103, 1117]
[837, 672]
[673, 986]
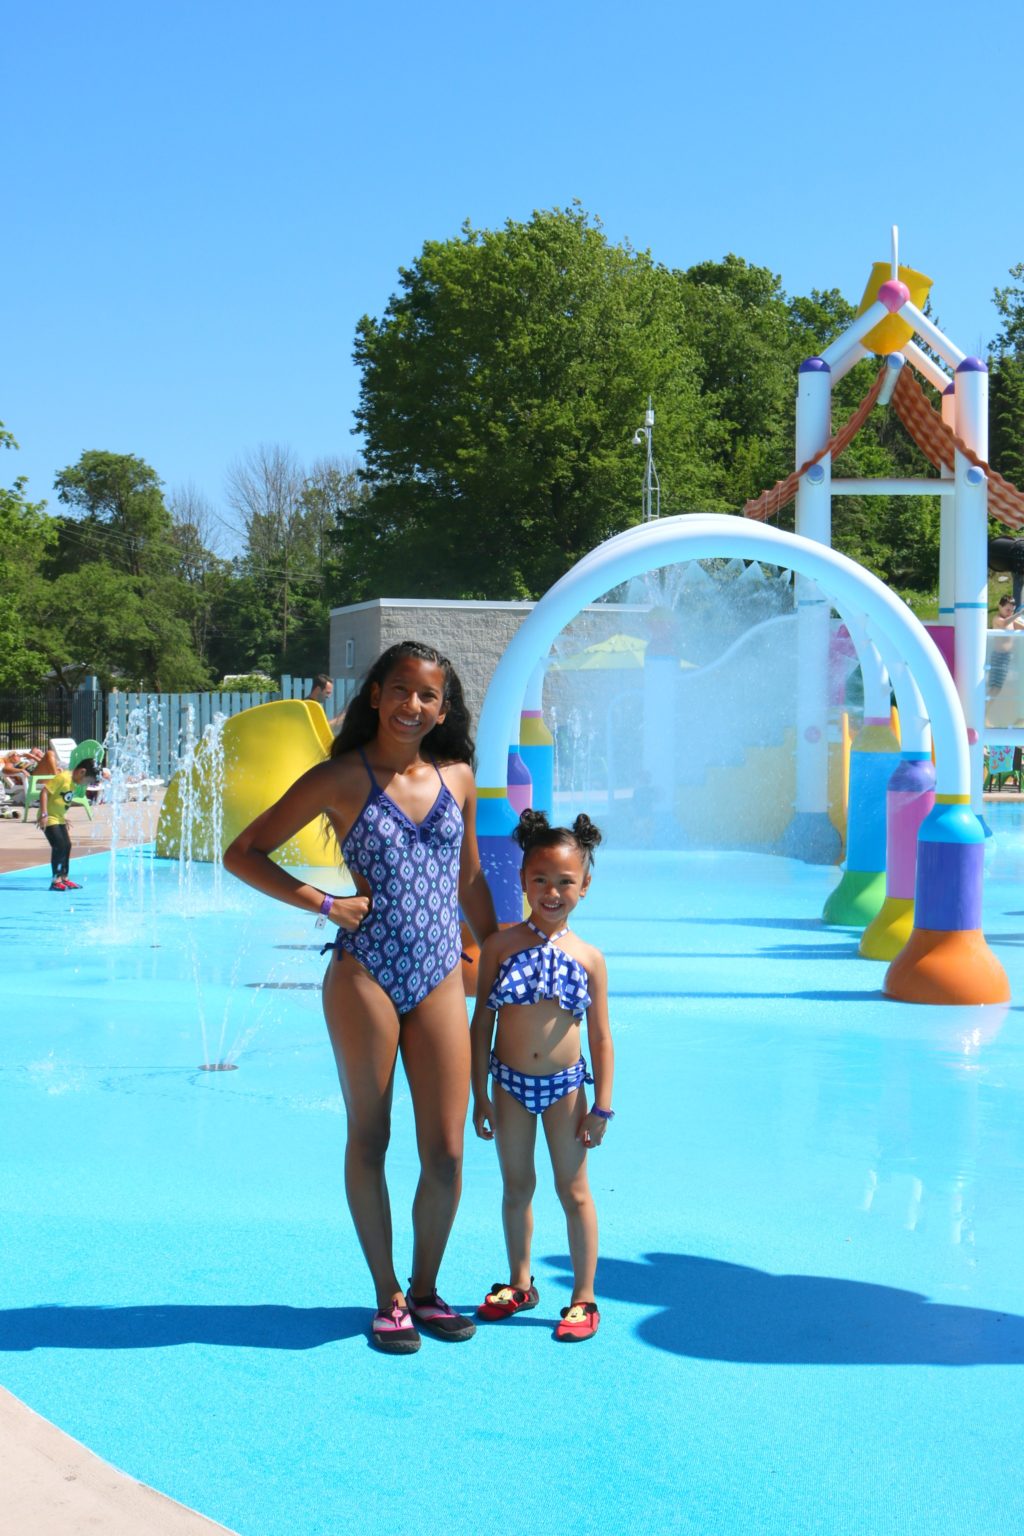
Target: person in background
[320, 693]
[1007, 554]
[1005, 617]
[56, 797]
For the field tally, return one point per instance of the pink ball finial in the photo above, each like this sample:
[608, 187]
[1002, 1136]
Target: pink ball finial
[893, 294]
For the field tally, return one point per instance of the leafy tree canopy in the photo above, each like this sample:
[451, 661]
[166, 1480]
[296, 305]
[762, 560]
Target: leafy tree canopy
[26, 533]
[499, 393]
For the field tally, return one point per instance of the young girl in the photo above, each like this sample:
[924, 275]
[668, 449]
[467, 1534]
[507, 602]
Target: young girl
[56, 797]
[540, 980]
[398, 790]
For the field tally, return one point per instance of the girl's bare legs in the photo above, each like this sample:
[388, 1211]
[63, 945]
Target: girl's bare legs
[363, 1027]
[516, 1134]
[569, 1161]
[435, 1052]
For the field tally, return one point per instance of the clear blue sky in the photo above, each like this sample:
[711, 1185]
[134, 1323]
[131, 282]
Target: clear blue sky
[203, 196]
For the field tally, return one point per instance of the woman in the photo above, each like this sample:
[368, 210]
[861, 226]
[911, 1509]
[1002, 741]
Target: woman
[399, 792]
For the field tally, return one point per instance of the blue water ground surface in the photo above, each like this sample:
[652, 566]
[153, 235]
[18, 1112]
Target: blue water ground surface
[812, 1287]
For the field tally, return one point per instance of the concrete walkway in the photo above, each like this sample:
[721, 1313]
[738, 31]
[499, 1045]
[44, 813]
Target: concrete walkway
[23, 846]
[53, 1486]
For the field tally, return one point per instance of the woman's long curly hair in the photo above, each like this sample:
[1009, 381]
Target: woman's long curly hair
[448, 742]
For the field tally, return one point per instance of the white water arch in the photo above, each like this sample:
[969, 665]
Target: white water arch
[702, 536]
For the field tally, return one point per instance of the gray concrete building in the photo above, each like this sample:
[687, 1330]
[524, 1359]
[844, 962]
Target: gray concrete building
[474, 634]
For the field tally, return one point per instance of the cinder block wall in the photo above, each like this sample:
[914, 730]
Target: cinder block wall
[474, 635]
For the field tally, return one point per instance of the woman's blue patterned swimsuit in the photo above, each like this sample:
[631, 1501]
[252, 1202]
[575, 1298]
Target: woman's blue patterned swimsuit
[411, 939]
[542, 971]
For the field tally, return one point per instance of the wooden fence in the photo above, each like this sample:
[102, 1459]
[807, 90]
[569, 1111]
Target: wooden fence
[161, 724]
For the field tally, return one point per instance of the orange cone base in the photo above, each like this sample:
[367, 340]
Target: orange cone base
[937, 967]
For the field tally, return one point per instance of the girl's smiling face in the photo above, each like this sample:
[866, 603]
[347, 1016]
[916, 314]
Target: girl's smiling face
[410, 700]
[554, 880]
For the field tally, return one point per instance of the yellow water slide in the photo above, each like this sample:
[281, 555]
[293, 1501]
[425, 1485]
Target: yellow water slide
[265, 750]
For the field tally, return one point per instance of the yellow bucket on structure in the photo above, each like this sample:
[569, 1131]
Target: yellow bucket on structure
[892, 333]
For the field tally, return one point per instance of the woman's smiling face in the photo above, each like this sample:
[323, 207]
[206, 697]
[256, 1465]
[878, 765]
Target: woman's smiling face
[410, 701]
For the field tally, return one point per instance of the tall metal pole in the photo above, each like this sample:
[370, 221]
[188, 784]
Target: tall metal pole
[651, 494]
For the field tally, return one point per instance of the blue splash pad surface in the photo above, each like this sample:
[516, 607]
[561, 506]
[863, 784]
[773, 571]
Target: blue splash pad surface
[812, 1287]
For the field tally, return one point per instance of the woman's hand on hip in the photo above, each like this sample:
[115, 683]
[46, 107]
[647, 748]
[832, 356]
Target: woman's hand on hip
[349, 911]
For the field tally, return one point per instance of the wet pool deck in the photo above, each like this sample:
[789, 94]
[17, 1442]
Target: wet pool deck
[791, 1278]
[53, 1486]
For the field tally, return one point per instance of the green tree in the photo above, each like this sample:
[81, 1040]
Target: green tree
[26, 533]
[739, 326]
[1006, 416]
[499, 395]
[118, 545]
[207, 578]
[1006, 385]
[286, 526]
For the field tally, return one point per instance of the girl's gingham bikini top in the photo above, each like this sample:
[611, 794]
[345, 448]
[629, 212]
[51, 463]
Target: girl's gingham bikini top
[543, 971]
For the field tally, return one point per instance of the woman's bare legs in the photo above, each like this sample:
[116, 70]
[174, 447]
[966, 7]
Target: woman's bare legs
[364, 1029]
[569, 1161]
[435, 1053]
[516, 1134]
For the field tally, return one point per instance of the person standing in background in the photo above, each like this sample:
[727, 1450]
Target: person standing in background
[320, 693]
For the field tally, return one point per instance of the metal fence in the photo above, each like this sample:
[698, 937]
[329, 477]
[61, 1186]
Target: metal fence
[30, 719]
[163, 721]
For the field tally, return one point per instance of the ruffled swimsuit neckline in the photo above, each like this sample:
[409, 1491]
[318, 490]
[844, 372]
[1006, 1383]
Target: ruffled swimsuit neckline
[420, 828]
[540, 971]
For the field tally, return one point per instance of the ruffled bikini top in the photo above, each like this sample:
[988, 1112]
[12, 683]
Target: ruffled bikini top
[543, 971]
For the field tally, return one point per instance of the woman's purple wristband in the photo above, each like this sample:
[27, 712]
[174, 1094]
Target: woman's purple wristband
[325, 909]
[602, 1114]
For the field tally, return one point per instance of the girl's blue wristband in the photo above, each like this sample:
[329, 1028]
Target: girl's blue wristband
[602, 1114]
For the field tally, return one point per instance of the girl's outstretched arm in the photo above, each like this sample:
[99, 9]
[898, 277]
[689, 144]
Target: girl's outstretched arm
[248, 857]
[474, 892]
[481, 1034]
[602, 1053]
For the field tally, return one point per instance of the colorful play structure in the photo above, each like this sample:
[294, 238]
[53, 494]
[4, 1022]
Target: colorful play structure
[915, 837]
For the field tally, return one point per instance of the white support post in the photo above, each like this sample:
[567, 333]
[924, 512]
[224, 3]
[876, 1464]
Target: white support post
[917, 485]
[926, 366]
[929, 332]
[947, 519]
[856, 355]
[811, 834]
[855, 332]
[970, 588]
[895, 363]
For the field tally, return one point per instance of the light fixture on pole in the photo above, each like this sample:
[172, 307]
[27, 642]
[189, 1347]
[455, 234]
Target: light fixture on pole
[651, 497]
